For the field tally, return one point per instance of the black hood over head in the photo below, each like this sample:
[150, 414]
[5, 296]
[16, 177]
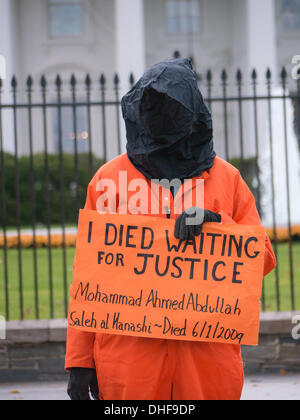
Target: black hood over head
[169, 128]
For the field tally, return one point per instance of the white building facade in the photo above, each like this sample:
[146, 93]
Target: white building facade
[47, 37]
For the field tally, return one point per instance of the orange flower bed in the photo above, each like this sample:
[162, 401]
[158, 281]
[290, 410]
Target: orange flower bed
[56, 241]
[27, 241]
[283, 233]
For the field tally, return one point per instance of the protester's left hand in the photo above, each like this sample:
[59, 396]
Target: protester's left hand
[82, 382]
[186, 231]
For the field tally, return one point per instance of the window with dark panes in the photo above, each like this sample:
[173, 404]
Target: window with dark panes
[290, 10]
[66, 18]
[67, 130]
[182, 16]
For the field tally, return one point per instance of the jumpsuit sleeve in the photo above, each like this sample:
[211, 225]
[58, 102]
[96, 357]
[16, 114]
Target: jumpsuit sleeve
[80, 345]
[245, 213]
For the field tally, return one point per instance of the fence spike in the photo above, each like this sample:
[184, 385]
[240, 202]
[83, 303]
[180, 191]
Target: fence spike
[102, 80]
[269, 75]
[116, 80]
[176, 54]
[58, 82]
[43, 82]
[14, 82]
[269, 81]
[209, 76]
[88, 81]
[1, 84]
[73, 81]
[131, 79]
[29, 82]
[283, 75]
[254, 75]
[239, 76]
[224, 76]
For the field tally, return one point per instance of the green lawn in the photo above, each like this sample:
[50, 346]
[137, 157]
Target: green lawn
[284, 280]
[58, 282]
[43, 282]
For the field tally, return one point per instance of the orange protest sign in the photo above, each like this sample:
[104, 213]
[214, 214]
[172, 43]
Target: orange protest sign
[132, 277]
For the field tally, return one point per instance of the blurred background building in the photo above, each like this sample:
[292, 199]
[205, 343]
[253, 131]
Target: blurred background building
[53, 36]
[58, 125]
[50, 37]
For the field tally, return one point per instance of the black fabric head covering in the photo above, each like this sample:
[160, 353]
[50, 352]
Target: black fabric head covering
[169, 127]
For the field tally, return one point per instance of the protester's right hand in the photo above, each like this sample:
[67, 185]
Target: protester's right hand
[188, 231]
[82, 382]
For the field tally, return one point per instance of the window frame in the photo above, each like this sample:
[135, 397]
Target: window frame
[53, 124]
[67, 38]
[179, 34]
[285, 31]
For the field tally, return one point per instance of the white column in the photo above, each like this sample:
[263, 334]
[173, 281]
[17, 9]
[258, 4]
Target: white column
[254, 43]
[254, 46]
[8, 29]
[5, 34]
[262, 42]
[8, 36]
[261, 55]
[130, 44]
[130, 39]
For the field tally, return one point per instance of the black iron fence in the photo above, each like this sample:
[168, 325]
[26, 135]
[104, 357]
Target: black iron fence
[53, 137]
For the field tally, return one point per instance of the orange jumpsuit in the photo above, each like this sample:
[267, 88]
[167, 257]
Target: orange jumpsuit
[131, 368]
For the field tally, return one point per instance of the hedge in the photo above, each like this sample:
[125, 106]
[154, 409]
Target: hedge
[41, 191]
[54, 191]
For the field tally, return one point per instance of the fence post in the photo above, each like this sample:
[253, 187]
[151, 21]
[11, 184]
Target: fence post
[14, 85]
[239, 79]
[62, 188]
[43, 84]
[291, 262]
[269, 84]
[33, 197]
[103, 97]
[117, 97]
[4, 211]
[73, 83]
[209, 80]
[88, 87]
[224, 78]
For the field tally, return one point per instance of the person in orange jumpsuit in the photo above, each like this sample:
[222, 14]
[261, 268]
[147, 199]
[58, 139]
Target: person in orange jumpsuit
[169, 133]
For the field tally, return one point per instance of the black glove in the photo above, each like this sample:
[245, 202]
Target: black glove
[185, 231]
[82, 382]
